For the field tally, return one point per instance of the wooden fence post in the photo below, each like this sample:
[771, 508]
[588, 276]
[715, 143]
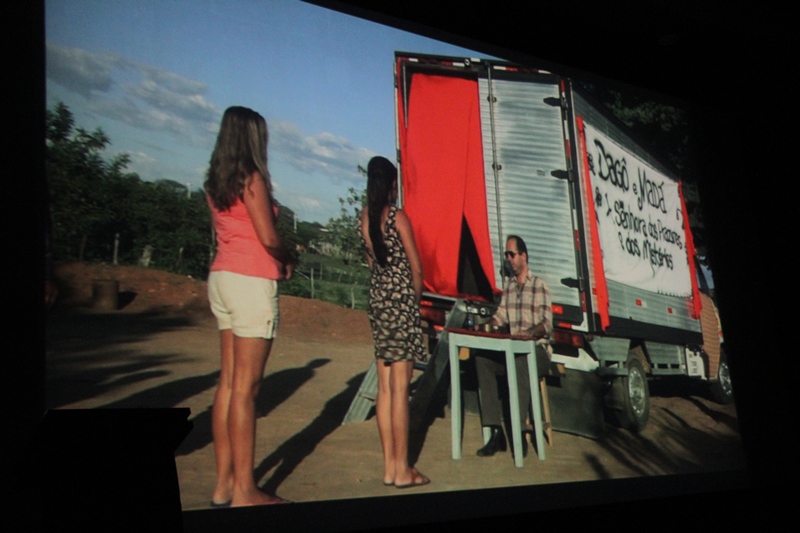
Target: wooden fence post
[116, 247]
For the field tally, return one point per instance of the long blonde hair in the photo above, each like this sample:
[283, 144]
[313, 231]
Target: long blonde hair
[240, 151]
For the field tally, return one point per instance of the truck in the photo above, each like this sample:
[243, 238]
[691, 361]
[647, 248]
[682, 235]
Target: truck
[488, 148]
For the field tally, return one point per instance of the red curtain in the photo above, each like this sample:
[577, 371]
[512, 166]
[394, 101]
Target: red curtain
[600, 288]
[697, 304]
[443, 179]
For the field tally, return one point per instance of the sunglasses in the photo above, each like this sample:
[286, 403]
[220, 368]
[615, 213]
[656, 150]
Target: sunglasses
[511, 255]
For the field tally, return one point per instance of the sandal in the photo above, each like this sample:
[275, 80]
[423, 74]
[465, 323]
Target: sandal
[417, 480]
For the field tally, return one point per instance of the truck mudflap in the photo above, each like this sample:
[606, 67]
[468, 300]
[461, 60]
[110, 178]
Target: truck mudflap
[576, 403]
[696, 364]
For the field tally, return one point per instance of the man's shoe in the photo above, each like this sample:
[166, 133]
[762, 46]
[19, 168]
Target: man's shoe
[497, 443]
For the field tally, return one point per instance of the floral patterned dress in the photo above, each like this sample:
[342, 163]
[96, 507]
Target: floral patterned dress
[392, 308]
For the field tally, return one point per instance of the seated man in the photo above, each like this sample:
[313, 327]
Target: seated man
[525, 307]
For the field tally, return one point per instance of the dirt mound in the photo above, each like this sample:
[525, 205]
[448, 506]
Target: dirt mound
[318, 320]
[140, 289]
[151, 290]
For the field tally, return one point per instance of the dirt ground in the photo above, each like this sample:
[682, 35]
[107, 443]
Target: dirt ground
[160, 350]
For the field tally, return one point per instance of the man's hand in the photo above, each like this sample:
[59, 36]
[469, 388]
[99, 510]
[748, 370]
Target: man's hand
[538, 331]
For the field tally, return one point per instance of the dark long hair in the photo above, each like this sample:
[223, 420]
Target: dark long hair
[381, 176]
[241, 150]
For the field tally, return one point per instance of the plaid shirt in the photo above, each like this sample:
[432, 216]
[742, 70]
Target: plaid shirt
[524, 306]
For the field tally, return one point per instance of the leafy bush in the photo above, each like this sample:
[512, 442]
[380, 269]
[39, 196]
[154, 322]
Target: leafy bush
[296, 287]
[95, 203]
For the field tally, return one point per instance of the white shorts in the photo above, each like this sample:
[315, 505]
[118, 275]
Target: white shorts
[246, 304]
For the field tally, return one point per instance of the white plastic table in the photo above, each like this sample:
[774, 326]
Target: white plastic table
[509, 345]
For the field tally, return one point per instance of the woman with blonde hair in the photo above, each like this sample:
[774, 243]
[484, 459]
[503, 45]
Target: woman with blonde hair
[394, 293]
[243, 292]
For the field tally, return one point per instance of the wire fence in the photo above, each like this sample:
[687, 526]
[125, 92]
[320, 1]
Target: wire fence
[330, 280]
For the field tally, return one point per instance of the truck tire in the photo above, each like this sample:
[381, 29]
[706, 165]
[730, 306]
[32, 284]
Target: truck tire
[721, 388]
[635, 397]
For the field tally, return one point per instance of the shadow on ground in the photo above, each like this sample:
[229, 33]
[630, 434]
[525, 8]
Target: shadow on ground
[274, 390]
[76, 330]
[669, 443]
[169, 394]
[292, 452]
[86, 356]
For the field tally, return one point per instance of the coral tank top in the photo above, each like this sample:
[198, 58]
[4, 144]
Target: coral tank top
[238, 248]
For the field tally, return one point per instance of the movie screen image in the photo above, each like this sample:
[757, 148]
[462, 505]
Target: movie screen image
[594, 182]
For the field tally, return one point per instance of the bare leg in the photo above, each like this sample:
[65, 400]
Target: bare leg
[219, 421]
[249, 358]
[400, 378]
[383, 416]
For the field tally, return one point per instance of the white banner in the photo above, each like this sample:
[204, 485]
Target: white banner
[639, 218]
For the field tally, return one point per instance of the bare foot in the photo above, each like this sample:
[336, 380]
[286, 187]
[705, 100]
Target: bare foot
[222, 495]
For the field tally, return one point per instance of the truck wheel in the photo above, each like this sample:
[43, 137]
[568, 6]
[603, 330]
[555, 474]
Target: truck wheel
[636, 397]
[721, 387]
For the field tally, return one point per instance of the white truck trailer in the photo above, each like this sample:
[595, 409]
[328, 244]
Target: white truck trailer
[487, 149]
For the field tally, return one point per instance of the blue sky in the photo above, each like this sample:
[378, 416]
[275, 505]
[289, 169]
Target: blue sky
[157, 75]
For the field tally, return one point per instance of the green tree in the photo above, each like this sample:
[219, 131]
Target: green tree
[176, 223]
[95, 203]
[83, 187]
[309, 232]
[286, 229]
[343, 231]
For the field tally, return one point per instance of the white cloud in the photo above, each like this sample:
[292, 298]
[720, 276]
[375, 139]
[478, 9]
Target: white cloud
[142, 96]
[322, 153]
[82, 72]
[308, 208]
[174, 100]
[154, 168]
[146, 166]
[306, 203]
[141, 158]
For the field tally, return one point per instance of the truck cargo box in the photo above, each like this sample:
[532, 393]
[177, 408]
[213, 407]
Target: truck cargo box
[488, 149]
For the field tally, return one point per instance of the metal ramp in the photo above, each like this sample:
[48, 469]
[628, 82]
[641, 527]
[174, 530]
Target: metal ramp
[422, 389]
[365, 397]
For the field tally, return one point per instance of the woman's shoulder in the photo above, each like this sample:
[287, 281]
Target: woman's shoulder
[400, 217]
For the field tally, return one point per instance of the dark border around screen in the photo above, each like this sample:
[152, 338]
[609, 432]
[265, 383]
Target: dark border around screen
[741, 120]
